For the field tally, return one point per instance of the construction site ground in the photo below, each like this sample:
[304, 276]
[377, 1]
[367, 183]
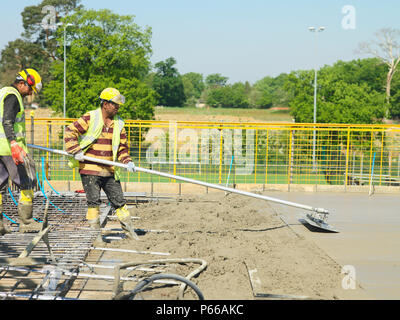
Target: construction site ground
[253, 249]
[369, 235]
[249, 250]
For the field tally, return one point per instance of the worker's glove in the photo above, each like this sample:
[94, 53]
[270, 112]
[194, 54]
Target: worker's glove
[130, 166]
[79, 156]
[18, 154]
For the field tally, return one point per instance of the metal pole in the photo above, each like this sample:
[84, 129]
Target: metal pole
[315, 117]
[313, 29]
[65, 68]
[206, 184]
[65, 77]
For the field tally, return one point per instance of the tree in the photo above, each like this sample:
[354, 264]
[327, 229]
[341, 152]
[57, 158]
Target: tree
[197, 82]
[269, 92]
[37, 46]
[19, 54]
[239, 95]
[215, 80]
[395, 98]
[168, 84]
[32, 16]
[387, 49]
[229, 96]
[338, 100]
[261, 96]
[370, 70]
[193, 86]
[105, 50]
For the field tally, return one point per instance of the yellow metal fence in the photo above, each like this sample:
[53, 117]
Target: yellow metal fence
[228, 153]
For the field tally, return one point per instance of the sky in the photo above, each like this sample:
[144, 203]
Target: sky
[244, 40]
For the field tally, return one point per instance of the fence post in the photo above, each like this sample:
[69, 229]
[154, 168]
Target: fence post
[32, 114]
[128, 142]
[398, 166]
[32, 128]
[175, 147]
[362, 164]
[48, 146]
[380, 169]
[256, 158]
[140, 147]
[370, 153]
[371, 187]
[290, 159]
[220, 156]
[32, 132]
[266, 158]
[347, 159]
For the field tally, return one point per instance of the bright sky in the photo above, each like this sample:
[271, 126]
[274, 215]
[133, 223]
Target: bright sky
[244, 40]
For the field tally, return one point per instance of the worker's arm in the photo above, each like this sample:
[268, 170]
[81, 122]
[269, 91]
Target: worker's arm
[11, 108]
[74, 131]
[123, 151]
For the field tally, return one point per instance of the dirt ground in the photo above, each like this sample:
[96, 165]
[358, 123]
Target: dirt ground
[235, 235]
[203, 117]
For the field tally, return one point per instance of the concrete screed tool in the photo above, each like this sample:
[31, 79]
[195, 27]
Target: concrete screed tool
[317, 218]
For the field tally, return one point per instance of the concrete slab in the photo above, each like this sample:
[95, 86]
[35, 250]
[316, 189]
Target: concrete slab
[369, 237]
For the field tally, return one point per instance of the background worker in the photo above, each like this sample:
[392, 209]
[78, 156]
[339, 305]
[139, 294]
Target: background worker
[15, 163]
[101, 134]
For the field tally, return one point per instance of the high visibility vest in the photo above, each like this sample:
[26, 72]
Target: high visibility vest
[19, 125]
[96, 125]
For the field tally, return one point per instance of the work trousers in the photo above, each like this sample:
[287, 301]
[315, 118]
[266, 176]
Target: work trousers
[112, 188]
[22, 175]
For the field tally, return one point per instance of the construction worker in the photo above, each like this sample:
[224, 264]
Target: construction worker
[15, 163]
[101, 134]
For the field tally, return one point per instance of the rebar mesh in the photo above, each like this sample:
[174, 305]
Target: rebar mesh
[69, 237]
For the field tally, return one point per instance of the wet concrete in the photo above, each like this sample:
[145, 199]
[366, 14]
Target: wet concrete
[369, 237]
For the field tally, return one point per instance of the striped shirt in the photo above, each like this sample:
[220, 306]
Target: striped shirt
[101, 148]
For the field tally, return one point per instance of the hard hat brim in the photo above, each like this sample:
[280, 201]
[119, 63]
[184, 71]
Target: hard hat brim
[118, 99]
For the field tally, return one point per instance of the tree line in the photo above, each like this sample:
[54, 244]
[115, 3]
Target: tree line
[105, 49]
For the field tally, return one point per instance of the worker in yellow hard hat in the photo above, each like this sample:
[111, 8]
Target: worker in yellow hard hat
[101, 134]
[15, 162]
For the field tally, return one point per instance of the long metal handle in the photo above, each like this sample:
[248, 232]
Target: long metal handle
[205, 184]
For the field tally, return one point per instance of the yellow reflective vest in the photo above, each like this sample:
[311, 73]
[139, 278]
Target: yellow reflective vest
[95, 128]
[19, 125]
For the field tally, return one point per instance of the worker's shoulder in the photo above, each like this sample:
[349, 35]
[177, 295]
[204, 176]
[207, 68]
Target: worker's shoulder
[85, 117]
[11, 98]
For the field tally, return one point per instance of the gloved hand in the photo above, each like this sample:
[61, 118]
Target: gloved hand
[131, 166]
[17, 153]
[79, 156]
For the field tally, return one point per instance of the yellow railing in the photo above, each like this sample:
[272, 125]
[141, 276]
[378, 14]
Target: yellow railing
[263, 153]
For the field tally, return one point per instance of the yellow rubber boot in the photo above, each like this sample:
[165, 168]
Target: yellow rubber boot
[25, 211]
[93, 218]
[124, 218]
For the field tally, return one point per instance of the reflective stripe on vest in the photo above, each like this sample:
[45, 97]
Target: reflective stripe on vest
[95, 129]
[19, 125]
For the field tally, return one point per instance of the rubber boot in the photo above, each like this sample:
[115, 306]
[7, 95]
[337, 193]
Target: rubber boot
[27, 224]
[124, 218]
[93, 218]
[3, 229]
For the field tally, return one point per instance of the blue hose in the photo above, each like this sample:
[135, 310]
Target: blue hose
[40, 186]
[8, 218]
[45, 178]
[41, 189]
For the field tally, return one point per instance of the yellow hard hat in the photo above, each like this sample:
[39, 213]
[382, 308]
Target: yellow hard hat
[32, 78]
[113, 95]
